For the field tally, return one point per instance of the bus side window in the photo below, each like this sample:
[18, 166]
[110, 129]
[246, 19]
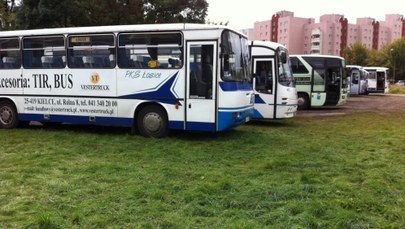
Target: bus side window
[39, 51]
[10, 53]
[297, 66]
[150, 50]
[91, 51]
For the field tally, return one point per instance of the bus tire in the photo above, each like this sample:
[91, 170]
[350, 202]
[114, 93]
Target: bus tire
[8, 115]
[303, 101]
[152, 122]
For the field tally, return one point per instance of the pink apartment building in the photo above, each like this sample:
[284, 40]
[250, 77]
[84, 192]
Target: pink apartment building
[331, 35]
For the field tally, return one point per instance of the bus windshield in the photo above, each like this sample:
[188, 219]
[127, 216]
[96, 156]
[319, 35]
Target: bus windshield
[235, 58]
[286, 77]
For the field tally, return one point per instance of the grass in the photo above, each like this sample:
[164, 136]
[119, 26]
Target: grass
[330, 172]
[396, 89]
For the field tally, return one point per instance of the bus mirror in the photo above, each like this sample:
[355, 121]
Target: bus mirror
[283, 57]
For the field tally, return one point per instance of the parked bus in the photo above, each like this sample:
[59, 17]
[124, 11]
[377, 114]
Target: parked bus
[275, 92]
[378, 81]
[357, 78]
[320, 80]
[151, 78]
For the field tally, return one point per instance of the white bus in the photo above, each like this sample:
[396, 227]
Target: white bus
[320, 80]
[151, 78]
[378, 79]
[275, 92]
[357, 78]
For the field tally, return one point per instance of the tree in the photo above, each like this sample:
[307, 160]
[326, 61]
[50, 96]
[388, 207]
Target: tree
[356, 54]
[49, 13]
[63, 13]
[7, 14]
[118, 12]
[172, 11]
[395, 53]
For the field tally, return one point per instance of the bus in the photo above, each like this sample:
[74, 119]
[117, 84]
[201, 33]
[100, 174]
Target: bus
[378, 81]
[151, 78]
[320, 80]
[357, 78]
[274, 87]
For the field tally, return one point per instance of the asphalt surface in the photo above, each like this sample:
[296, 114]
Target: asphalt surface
[373, 103]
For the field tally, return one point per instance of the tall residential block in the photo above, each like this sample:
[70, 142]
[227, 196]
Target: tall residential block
[331, 35]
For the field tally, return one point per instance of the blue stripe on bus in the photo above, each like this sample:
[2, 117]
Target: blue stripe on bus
[107, 121]
[228, 119]
[257, 115]
[259, 100]
[201, 126]
[176, 125]
[163, 90]
[235, 86]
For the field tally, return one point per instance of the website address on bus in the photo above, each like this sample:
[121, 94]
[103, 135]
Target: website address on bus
[71, 110]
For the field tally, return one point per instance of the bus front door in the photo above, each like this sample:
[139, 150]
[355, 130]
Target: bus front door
[380, 82]
[318, 91]
[333, 85]
[200, 98]
[265, 102]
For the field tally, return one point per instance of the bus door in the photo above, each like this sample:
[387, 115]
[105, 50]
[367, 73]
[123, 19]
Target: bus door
[333, 78]
[200, 92]
[265, 93]
[318, 90]
[355, 82]
[380, 81]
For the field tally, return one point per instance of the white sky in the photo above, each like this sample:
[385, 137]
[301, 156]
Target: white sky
[242, 14]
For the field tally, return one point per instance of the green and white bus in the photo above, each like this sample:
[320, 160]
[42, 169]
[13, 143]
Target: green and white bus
[320, 80]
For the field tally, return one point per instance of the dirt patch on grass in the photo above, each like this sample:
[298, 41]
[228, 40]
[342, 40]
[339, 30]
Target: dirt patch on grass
[378, 103]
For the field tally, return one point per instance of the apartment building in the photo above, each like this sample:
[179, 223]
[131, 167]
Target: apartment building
[331, 35]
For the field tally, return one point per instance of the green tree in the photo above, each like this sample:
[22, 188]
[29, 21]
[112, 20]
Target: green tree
[7, 14]
[118, 12]
[395, 53]
[63, 13]
[356, 54]
[49, 13]
[376, 59]
[172, 11]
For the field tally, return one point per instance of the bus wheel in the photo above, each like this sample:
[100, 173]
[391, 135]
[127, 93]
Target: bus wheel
[152, 122]
[8, 115]
[303, 101]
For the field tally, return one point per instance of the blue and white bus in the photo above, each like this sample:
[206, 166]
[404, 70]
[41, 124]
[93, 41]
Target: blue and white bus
[275, 92]
[151, 78]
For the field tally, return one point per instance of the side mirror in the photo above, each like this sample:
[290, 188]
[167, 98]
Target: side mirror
[283, 57]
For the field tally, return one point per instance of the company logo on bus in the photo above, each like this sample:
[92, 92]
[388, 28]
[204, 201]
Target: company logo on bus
[95, 78]
[94, 86]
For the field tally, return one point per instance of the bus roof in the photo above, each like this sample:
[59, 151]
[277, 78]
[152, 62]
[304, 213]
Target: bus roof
[317, 55]
[269, 44]
[354, 66]
[115, 28]
[376, 68]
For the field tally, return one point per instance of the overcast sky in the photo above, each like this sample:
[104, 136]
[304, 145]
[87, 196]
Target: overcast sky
[242, 14]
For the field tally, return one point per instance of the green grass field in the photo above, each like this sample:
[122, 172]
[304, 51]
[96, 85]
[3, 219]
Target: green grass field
[395, 89]
[329, 172]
